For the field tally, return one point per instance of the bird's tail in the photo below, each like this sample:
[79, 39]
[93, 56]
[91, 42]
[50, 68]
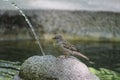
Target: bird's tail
[80, 54]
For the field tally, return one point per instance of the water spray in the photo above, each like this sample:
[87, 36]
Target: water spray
[30, 25]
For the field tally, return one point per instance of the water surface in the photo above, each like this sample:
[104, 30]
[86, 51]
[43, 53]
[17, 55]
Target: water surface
[14, 53]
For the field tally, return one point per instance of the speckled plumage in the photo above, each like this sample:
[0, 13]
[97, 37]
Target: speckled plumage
[67, 47]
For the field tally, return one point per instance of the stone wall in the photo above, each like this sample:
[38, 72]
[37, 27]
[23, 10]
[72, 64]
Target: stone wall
[91, 25]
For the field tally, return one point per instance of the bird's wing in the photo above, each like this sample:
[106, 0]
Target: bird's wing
[69, 46]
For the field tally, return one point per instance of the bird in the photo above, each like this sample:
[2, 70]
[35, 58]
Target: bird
[67, 47]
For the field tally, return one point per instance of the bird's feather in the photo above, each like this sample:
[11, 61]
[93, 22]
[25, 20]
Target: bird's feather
[74, 51]
[69, 46]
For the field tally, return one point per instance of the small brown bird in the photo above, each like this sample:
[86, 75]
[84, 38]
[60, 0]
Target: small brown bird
[67, 47]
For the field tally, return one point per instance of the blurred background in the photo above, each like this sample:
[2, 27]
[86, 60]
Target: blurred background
[91, 25]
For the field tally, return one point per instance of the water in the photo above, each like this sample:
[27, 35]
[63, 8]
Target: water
[14, 53]
[30, 25]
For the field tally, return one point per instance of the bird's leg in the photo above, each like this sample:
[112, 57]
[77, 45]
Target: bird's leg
[66, 55]
[62, 56]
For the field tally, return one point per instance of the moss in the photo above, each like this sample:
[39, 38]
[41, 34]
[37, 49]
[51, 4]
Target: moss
[1, 78]
[105, 74]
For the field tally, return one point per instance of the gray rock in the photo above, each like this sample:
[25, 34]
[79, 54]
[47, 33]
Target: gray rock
[51, 68]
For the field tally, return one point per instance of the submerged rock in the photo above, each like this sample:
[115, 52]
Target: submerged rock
[51, 68]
